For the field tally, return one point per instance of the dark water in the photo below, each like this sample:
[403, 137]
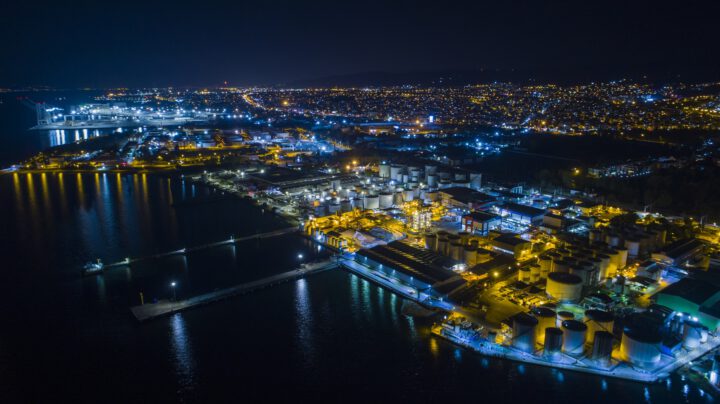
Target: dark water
[332, 336]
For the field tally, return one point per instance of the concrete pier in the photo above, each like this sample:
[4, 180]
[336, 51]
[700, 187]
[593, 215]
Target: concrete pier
[154, 310]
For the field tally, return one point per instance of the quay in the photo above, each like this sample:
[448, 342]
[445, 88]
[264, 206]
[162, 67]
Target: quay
[231, 240]
[151, 311]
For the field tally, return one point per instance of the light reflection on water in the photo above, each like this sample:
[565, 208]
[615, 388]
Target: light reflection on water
[304, 320]
[182, 353]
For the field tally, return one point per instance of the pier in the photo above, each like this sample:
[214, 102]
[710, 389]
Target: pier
[231, 240]
[151, 311]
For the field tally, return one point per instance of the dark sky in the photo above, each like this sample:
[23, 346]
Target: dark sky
[204, 42]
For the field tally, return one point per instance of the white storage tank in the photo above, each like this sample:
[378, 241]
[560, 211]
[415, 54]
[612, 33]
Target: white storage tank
[563, 316]
[475, 180]
[384, 170]
[395, 172]
[602, 347]
[633, 247]
[470, 256]
[552, 341]
[546, 319]
[535, 273]
[692, 334]
[386, 200]
[564, 286]
[640, 346]
[622, 261]
[333, 208]
[523, 337]
[431, 241]
[574, 333]
[432, 180]
[598, 320]
[456, 251]
[429, 169]
[524, 275]
[371, 202]
[408, 195]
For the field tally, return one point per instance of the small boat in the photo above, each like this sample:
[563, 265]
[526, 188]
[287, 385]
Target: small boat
[93, 268]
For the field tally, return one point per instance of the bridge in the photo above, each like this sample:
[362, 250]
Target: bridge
[151, 311]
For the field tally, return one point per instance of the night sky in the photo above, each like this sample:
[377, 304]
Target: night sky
[126, 43]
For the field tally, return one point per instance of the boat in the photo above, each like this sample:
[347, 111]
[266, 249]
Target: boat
[93, 268]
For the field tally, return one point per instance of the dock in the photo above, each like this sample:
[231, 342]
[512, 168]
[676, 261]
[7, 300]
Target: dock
[151, 311]
[231, 240]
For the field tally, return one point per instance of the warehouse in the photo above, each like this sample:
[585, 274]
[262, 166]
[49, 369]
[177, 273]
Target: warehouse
[522, 214]
[698, 298]
[465, 198]
[422, 269]
[480, 223]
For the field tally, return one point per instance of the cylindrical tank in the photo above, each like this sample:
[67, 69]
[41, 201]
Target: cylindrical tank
[415, 172]
[582, 273]
[564, 286]
[524, 275]
[545, 262]
[633, 247]
[561, 265]
[395, 172]
[598, 320]
[386, 200]
[639, 346]
[456, 251]
[553, 339]
[623, 257]
[603, 268]
[430, 169]
[345, 205]
[595, 236]
[602, 347]
[692, 334]
[408, 195]
[475, 180]
[333, 208]
[563, 316]
[432, 180]
[546, 319]
[431, 241]
[524, 332]
[535, 272]
[371, 202]
[384, 170]
[574, 333]
[470, 255]
[612, 239]
[443, 245]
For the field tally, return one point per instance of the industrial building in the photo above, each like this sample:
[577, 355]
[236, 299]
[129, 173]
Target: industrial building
[424, 270]
[698, 298]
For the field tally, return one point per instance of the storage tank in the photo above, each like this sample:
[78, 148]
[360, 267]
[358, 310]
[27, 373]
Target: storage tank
[545, 264]
[563, 316]
[396, 172]
[534, 272]
[470, 256]
[464, 237]
[524, 275]
[574, 333]
[564, 286]
[431, 241]
[595, 236]
[546, 319]
[612, 239]
[415, 172]
[432, 180]
[552, 341]
[561, 265]
[456, 251]
[640, 346]
[443, 245]
[623, 252]
[524, 332]
[692, 334]
[582, 273]
[345, 205]
[408, 195]
[429, 169]
[386, 200]
[475, 180]
[598, 320]
[384, 170]
[371, 202]
[357, 203]
[333, 208]
[633, 247]
[602, 347]
[603, 268]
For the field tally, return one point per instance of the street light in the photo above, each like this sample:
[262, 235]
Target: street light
[173, 284]
[300, 256]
